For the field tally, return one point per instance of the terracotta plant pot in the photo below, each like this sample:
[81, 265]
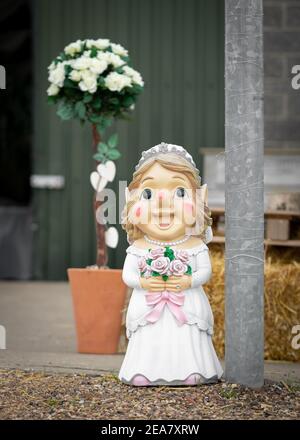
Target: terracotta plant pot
[98, 299]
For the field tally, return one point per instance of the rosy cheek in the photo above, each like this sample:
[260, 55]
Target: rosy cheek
[138, 211]
[188, 207]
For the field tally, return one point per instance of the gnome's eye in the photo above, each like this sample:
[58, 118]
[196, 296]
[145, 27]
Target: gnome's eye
[146, 194]
[180, 193]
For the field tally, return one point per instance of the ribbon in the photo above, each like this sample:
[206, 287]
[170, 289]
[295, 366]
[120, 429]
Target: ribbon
[173, 300]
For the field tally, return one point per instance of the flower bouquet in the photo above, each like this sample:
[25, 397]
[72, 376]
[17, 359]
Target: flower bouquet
[92, 80]
[164, 262]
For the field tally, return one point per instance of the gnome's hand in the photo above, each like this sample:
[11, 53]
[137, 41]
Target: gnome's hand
[184, 282]
[153, 284]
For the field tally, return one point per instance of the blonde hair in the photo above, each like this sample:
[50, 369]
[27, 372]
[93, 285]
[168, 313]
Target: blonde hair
[172, 162]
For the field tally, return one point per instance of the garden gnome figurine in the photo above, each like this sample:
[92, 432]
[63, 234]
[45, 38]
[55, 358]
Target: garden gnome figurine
[169, 322]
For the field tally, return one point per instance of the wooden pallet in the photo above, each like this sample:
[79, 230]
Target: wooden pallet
[270, 216]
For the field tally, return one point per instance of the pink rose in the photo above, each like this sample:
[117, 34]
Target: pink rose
[161, 265]
[182, 255]
[142, 265]
[147, 274]
[177, 267]
[156, 253]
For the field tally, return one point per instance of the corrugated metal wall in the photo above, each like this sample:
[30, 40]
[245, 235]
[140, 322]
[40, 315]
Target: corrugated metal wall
[177, 45]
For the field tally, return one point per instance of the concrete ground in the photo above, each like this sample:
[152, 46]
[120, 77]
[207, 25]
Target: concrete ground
[40, 334]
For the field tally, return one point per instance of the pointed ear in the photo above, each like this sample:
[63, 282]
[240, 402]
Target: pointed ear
[205, 193]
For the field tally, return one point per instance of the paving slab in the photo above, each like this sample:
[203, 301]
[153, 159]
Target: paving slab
[38, 318]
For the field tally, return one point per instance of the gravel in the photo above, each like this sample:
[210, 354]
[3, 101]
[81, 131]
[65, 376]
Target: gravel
[36, 395]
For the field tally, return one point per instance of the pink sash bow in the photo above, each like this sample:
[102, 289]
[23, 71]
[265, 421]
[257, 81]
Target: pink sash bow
[173, 300]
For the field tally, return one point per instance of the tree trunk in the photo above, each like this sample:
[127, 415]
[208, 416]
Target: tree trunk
[244, 192]
[101, 250]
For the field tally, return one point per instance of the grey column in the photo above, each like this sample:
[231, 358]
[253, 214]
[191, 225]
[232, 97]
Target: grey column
[244, 193]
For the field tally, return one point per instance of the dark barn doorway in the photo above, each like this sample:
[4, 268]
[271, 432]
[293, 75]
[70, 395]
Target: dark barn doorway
[16, 56]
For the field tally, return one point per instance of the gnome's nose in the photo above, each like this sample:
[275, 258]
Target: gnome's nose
[161, 195]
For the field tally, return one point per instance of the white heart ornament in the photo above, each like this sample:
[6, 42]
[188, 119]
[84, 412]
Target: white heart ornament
[97, 182]
[111, 237]
[107, 170]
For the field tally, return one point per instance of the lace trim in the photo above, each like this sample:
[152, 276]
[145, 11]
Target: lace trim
[141, 252]
[199, 379]
[201, 324]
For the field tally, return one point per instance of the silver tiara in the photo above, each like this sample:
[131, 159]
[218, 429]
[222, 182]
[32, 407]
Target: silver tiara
[166, 148]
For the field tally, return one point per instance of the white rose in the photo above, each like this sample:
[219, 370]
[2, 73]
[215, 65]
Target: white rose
[73, 48]
[102, 43]
[116, 82]
[89, 43]
[137, 79]
[57, 75]
[119, 50]
[75, 75]
[52, 66]
[82, 63]
[98, 66]
[88, 82]
[53, 90]
[129, 70]
[103, 56]
[134, 75]
[114, 59]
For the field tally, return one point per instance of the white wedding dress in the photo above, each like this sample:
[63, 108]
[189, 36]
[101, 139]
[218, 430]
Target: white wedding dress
[165, 352]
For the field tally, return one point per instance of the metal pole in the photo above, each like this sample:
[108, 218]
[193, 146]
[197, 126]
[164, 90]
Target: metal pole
[244, 192]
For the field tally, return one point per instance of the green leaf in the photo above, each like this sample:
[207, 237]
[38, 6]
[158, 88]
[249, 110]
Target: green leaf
[87, 98]
[94, 52]
[97, 102]
[165, 277]
[189, 270]
[62, 56]
[169, 253]
[65, 110]
[155, 274]
[104, 123]
[100, 129]
[80, 109]
[113, 154]
[51, 99]
[102, 147]
[98, 156]
[149, 261]
[114, 101]
[101, 81]
[128, 101]
[96, 119]
[68, 69]
[72, 94]
[107, 122]
[113, 141]
[70, 84]
[136, 88]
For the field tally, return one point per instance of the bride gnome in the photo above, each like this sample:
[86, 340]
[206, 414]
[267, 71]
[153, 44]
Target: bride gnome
[169, 322]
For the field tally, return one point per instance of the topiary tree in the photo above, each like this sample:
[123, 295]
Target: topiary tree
[93, 81]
